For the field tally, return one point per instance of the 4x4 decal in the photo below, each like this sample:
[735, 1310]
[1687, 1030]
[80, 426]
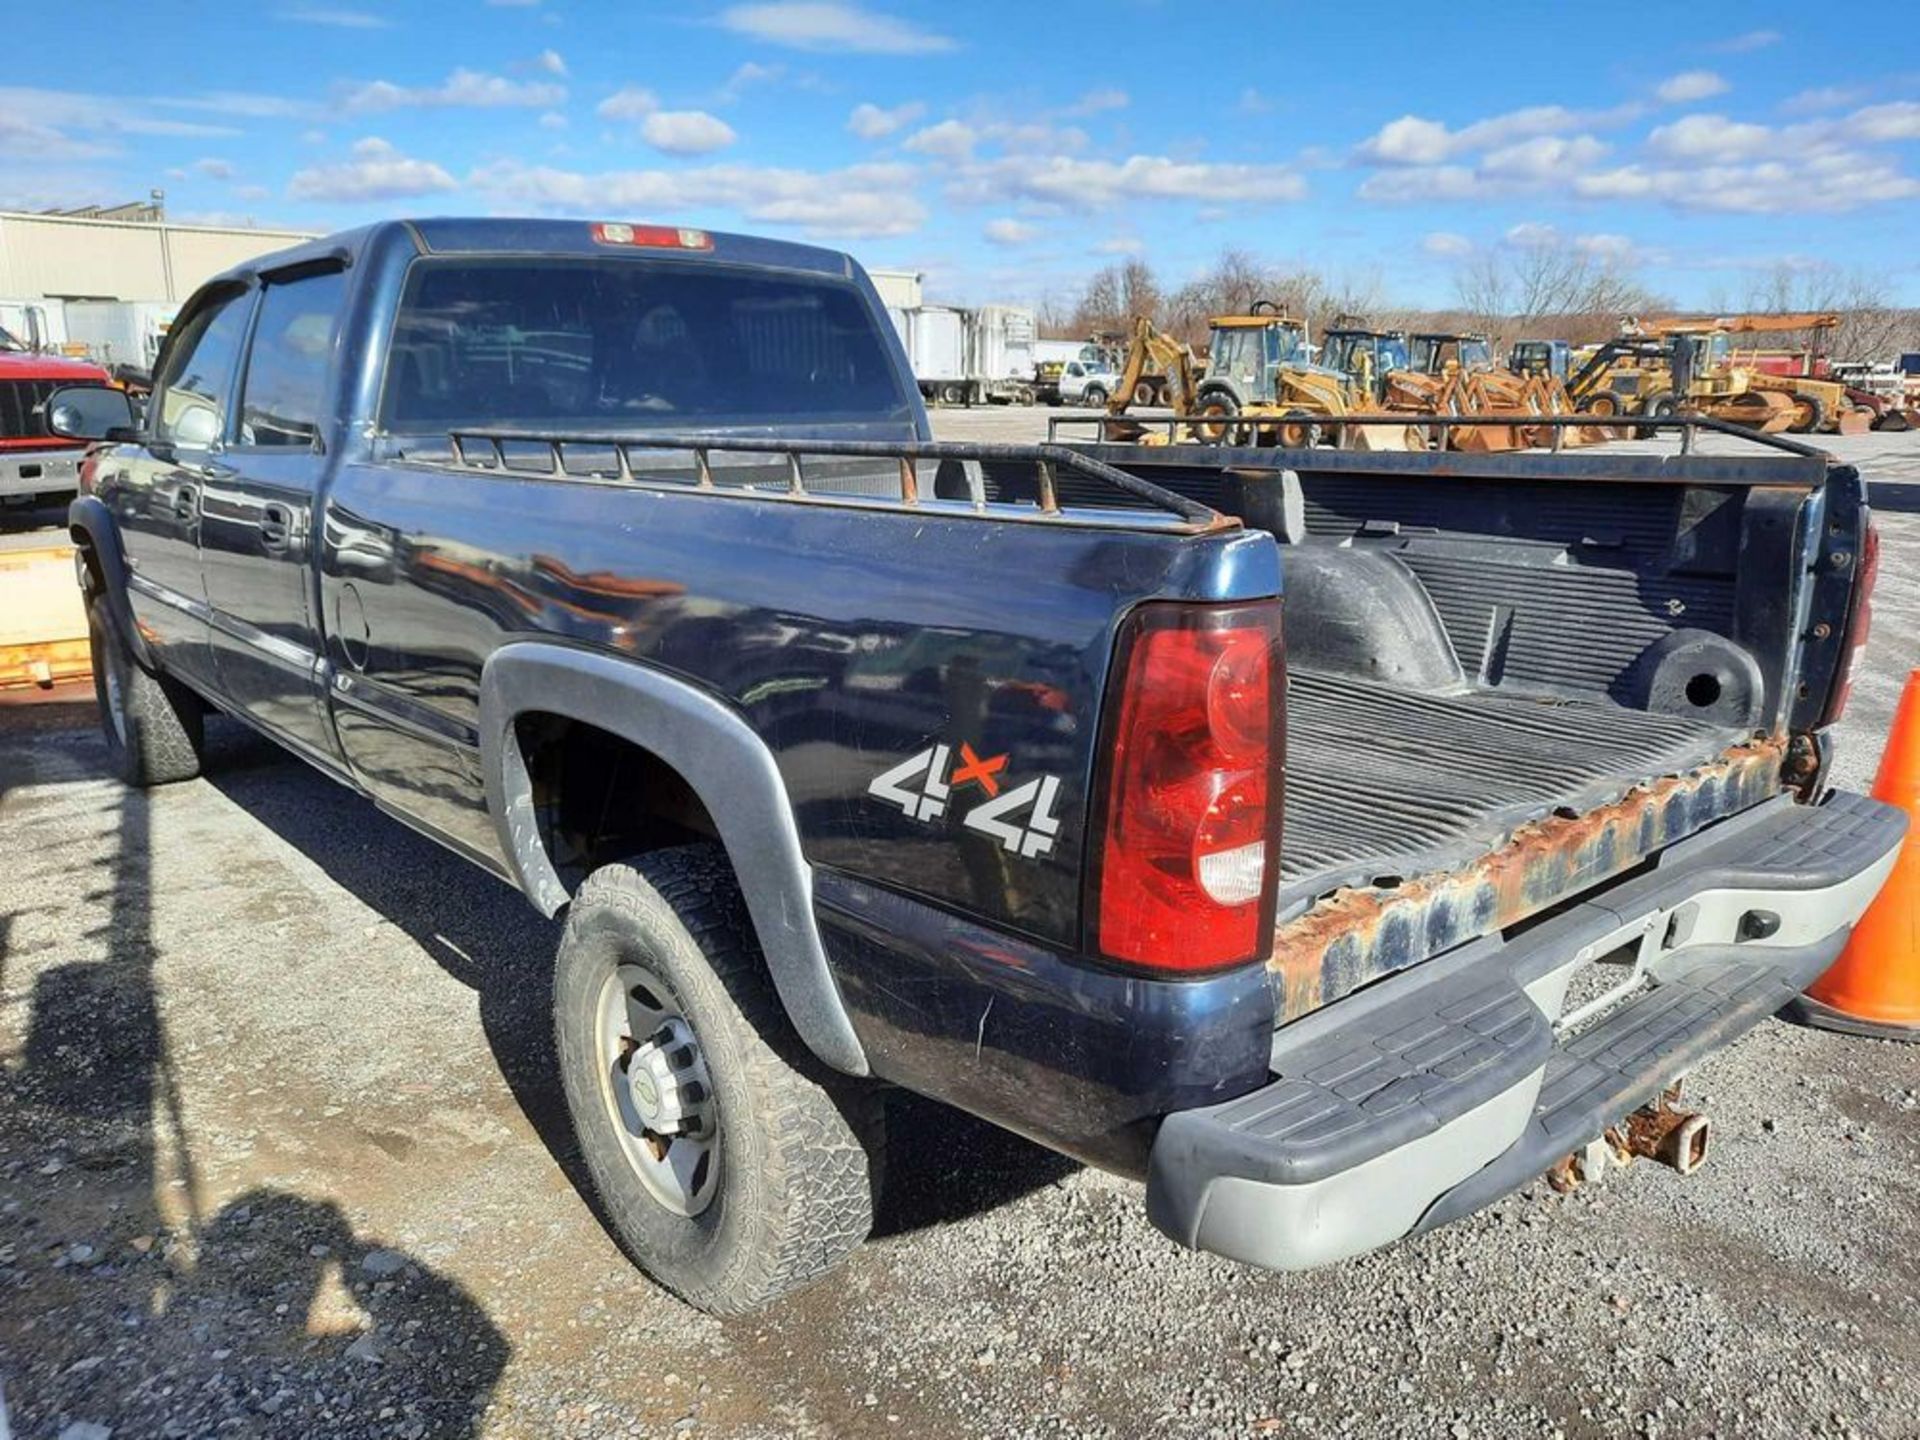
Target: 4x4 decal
[921, 787]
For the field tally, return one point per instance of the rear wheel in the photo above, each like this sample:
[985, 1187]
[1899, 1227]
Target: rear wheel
[154, 726]
[731, 1165]
[1809, 414]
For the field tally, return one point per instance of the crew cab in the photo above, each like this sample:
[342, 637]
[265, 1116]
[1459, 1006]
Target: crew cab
[1335, 841]
[33, 461]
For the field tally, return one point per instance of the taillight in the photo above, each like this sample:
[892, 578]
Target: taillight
[1859, 621]
[670, 237]
[1190, 789]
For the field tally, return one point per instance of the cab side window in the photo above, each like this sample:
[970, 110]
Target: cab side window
[288, 363]
[194, 389]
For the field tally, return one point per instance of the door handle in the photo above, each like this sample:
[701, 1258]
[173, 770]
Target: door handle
[186, 501]
[276, 523]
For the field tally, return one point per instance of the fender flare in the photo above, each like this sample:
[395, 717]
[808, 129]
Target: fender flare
[729, 768]
[90, 525]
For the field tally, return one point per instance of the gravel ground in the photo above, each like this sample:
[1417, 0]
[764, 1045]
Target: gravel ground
[280, 1156]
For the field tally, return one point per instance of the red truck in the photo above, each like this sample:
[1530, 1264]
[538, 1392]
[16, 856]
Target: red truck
[35, 463]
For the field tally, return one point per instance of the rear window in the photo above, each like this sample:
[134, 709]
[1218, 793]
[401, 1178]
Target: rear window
[615, 345]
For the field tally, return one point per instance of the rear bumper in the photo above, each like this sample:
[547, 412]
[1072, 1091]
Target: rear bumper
[1434, 1092]
[37, 472]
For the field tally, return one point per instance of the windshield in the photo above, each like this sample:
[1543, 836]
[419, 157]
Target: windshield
[1236, 353]
[616, 343]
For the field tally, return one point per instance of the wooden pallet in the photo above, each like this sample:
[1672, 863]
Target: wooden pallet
[43, 625]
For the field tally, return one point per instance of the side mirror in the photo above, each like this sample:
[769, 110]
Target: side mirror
[89, 412]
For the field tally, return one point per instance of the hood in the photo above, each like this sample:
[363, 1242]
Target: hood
[16, 366]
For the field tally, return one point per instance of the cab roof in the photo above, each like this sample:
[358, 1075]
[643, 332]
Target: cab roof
[1252, 322]
[505, 236]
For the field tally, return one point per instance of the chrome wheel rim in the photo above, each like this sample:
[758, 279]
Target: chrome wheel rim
[654, 1083]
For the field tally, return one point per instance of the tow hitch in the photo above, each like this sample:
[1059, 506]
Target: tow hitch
[1658, 1131]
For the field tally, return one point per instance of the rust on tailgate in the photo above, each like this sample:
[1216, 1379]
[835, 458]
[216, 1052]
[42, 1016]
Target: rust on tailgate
[1359, 934]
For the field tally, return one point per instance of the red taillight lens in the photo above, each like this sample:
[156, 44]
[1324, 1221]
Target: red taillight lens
[668, 237]
[1190, 843]
[1859, 621]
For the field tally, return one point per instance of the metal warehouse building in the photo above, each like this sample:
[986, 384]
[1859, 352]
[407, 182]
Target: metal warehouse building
[103, 257]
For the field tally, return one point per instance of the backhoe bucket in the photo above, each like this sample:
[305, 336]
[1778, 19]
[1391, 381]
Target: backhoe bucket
[1381, 437]
[1484, 439]
[1854, 422]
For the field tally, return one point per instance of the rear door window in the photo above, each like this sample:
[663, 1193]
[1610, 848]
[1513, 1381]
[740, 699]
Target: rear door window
[616, 345]
[288, 363]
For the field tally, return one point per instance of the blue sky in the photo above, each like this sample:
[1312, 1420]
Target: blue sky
[1008, 149]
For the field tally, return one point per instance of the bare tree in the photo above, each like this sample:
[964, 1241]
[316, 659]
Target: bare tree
[1548, 290]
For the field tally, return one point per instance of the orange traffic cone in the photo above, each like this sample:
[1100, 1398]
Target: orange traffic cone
[1874, 987]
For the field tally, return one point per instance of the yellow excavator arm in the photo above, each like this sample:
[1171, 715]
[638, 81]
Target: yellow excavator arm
[1148, 346]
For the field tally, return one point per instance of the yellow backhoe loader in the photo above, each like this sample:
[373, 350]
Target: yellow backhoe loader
[1818, 401]
[1257, 386]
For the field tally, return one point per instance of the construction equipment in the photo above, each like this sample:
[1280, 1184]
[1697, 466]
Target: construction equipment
[1463, 363]
[1725, 375]
[1881, 389]
[1257, 386]
[1635, 374]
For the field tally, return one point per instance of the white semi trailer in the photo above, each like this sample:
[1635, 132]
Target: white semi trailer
[970, 356]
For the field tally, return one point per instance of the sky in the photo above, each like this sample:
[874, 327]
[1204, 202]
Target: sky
[1009, 149]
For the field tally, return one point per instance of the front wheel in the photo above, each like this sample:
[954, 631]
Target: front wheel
[154, 727]
[1094, 397]
[732, 1166]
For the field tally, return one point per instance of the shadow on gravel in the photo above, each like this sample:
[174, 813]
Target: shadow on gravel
[942, 1165]
[128, 1308]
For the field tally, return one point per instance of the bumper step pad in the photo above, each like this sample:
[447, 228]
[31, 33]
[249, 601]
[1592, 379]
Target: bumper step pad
[1453, 1058]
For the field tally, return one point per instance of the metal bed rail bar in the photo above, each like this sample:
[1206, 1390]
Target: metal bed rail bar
[1046, 460]
[1689, 426]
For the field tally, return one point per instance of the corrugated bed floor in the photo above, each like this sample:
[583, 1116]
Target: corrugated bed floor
[1400, 782]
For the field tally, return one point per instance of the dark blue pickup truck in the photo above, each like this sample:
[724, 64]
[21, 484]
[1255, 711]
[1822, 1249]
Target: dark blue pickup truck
[1336, 841]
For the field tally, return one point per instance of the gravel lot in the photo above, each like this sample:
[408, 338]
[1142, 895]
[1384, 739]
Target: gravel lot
[280, 1155]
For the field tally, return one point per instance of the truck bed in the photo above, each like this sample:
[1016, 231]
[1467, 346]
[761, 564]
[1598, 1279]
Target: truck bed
[1380, 776]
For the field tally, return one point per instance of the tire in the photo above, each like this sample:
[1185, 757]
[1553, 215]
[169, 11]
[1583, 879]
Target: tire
[792, 1148]
[953, 395]
[1810, 414]
[1146, 394]
[1212, 416]
[1659, 406]
[1300, 430]
[1094, 397]
[155, 727]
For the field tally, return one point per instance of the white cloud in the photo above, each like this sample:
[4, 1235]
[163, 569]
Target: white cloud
[1689, 86]
[949, 140]
[858, 201]
[1446, 244]
[215, 169]
[871, 122]
[1414, 140]
[630, 102]
[553, 120]
[1121, 245]
[1710, 138]
[337, 19]
[1747, 41]
[832, 25]
[1542, 158]
[1531, 235]
[1607, 248]
[1821, 181]
[244, 104]
[551, 62]
[1897, 120]
[1821, 97]
[747, 75]
[1096, 101]
[1010, 232]
[686, 132]
[1070, 183]
[377, 171]
[473, 89]
[1253, 102]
